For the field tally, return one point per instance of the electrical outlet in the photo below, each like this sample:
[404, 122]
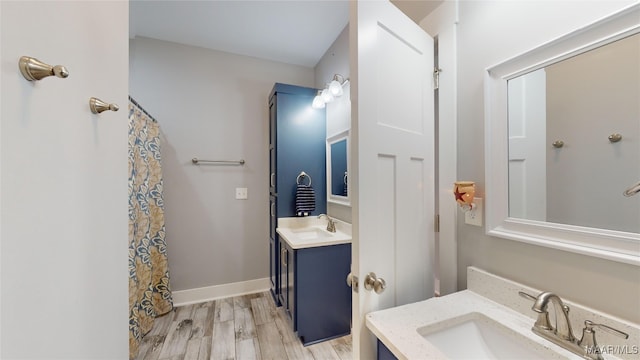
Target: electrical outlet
[242, 194]
[474, 216]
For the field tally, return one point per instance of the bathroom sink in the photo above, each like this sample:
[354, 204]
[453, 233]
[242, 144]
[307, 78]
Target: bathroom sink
[311, 233]
[476, 336]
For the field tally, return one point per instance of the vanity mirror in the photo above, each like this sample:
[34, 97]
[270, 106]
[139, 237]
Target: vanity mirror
[337, 168]
[562, 137]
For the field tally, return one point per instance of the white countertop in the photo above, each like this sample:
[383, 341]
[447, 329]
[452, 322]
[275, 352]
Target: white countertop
[398, 327]
[296, 232]
[496, 298]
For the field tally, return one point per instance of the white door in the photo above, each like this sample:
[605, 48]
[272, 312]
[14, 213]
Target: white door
[63, 182]
[393, 153]
[528, 146]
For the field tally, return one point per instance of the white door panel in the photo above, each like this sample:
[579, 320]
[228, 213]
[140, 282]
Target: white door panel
[64, 182]
[392, 103]
[528, 146]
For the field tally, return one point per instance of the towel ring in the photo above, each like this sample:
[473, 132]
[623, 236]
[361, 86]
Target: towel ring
[303, 174]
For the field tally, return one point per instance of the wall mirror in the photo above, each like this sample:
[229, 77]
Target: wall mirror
[338, 168]
[562, 135]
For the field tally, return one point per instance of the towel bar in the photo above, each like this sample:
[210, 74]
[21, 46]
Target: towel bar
[197, 161]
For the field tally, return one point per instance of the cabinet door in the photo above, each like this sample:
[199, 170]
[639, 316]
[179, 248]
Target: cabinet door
[273, 268]
[284, 285]
[291, 285]
[272, 144]
[384, 353]
[273, 250]
[273, 220]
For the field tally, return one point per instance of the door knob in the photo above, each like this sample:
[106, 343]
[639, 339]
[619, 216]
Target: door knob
[372, 282]
[352, 282]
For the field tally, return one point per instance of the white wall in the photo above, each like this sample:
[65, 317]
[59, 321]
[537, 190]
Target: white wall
[211, 105]
[64, 183]
[336, 61]
[441, 23]
[488, 33]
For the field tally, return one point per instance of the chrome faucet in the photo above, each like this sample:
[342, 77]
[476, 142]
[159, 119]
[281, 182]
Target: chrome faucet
[561, 334]
[331, 224]
[563, 326]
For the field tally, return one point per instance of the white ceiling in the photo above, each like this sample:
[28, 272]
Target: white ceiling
[290, 31]
[295, 32]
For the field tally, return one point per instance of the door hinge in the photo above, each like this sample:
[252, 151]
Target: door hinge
[436, 223]
[436, 78]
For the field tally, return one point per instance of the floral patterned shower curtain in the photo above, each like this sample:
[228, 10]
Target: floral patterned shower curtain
[149, 291]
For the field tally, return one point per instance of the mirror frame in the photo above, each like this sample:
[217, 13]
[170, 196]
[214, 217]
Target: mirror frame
[338, 199]
[608, 244]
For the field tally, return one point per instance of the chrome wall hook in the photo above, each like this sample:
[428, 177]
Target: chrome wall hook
[33, 69]
[558, 144]
[614, 138]
[97, 106]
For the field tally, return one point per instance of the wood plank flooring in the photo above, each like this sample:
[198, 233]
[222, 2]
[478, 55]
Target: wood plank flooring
[242, 327]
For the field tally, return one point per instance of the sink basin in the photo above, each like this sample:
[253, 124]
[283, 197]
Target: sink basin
[311, 233]
[476, 336]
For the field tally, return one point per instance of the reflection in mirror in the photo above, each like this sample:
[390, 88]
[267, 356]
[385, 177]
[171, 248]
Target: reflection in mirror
[580, 172]
[338, 168]
[574, 139]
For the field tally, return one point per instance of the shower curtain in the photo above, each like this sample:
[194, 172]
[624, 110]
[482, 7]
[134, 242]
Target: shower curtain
[149, 291]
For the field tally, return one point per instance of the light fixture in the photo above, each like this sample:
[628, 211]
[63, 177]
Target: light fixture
[326, 96]
[335, 86]
[464, 191]
[318, 103]
[330, 92]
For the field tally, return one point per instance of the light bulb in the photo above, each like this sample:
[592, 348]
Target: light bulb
[335, 88]
[317, 102]
[326, 96]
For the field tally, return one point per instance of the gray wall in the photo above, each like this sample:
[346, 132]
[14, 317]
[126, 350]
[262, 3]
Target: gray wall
[579, 96]
[211, 105]
[488, 33]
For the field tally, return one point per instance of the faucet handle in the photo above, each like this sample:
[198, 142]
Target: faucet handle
[589, 325]
[527, 296]
[588, 341]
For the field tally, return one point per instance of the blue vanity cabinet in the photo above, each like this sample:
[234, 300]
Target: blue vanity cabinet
[274, 246]
[283, 295]
[273, 249]
[287, 268]
[320, 300]
[384, 353]
[297, 142]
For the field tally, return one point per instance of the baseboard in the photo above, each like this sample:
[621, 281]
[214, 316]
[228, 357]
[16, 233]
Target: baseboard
[203, 294]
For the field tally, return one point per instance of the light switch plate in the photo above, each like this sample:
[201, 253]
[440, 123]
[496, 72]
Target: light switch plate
[474, 217]
[242, 194]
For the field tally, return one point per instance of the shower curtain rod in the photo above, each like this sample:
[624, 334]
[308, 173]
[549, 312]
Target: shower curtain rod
[142, 109]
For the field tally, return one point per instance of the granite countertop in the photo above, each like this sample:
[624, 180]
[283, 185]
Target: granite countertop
[398, 328]
[401, 328]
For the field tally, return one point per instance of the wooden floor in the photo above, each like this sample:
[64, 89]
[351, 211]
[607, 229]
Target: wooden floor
[242, 327]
